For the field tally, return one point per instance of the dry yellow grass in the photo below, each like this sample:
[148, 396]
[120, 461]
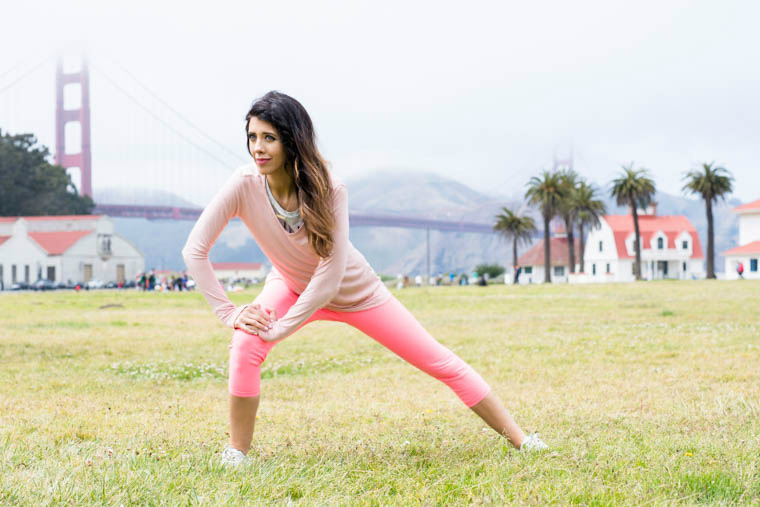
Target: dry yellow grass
[647, 393]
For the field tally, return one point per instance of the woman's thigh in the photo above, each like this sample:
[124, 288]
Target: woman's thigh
[394, 327]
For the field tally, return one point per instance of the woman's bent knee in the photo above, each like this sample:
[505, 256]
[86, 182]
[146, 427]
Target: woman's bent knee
[246, 348]
[247, 352]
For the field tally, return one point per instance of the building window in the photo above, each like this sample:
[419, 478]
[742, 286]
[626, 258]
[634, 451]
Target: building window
[87, 273]
[51, 273]
[1, 275]
[684, 267]
[593, 269]
[685, 245]
[14, 275]
[660, 244]
[601, 246]
[528, 270]
[608, 268]
[26, 273]
[753, 265]
[559, 270]
[633, 268]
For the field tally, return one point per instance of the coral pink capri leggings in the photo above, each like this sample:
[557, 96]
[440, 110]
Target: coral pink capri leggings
[390, 324]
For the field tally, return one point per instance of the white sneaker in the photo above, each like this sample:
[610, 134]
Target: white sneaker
[533, 444]
[231, 457]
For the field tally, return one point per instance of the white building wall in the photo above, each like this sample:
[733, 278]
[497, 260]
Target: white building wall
[537, 275]
[749, 228]
[22, 251]
[732, 262]
[599, 251]
[84, 252]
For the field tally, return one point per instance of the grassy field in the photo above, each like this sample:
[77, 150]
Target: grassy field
[648, 393]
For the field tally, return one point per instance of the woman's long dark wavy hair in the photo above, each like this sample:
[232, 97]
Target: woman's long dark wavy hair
[303, 162]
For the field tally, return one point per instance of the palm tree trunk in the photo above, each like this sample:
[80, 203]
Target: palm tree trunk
[514, 258]
[710, 241]
[638, 240]
[571, 243]
[581, 248]
[547, 252]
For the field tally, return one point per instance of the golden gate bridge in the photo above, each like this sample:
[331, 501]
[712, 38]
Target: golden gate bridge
[74, 147]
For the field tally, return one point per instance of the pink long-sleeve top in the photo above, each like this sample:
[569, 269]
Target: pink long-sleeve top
[343, 281]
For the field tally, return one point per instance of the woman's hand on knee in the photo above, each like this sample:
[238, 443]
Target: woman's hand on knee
[255, 319]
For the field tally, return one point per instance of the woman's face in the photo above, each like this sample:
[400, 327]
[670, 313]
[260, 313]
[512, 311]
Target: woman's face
[265, 146]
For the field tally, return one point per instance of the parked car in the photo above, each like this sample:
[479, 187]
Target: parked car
[95, 284]
[44, 285]
[19, 286]
[111, 285]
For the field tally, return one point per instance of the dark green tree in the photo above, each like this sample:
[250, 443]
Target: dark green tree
[515, 227]
[546, 192]
[568, 211]
[712, 183]
[634, 188]
[589, 209]
[492, 270]
[30, 185]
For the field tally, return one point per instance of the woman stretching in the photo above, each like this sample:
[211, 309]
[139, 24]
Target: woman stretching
[298, 215]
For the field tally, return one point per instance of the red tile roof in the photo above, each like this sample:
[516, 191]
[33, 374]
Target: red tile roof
[236, 266]
[749, 248]
[649, 225]
[56, 243]
[3, 239]
[754, 205]
[560, 253]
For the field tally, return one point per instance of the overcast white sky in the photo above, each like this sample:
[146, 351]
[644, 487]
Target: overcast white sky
[482, 92]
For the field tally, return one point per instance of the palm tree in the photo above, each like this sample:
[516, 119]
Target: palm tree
[589, 210]
[568, 212]
[546, 192]
[711, 183]
[518, 228]
[634, 188]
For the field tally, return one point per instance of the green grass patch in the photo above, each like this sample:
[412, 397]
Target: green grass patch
[647, 393]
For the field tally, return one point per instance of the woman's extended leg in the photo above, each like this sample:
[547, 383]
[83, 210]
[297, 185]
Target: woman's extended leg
[394, 327]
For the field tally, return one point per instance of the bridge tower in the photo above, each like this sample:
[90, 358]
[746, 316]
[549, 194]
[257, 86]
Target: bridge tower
[83, 159]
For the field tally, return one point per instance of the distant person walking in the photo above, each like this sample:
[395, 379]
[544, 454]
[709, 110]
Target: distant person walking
[740, 270]
[517, 275]
[298, 214]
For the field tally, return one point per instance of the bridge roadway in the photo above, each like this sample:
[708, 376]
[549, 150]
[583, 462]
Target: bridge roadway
[356, 219]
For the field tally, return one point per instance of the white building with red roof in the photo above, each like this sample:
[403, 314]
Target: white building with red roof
[532, 261]
[748, 252]
[70, 248]
[239, 270]
[670, 248]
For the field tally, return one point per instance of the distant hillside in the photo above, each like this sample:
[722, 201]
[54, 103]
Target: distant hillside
[161, 242]
[390, 250]
[132, 195]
